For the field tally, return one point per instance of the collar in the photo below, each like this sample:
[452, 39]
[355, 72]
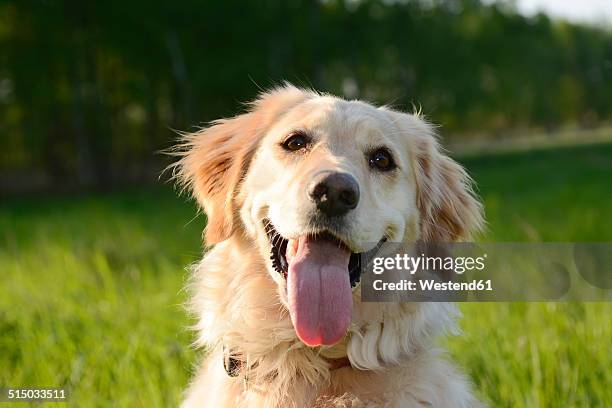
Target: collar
[336, 363]
[233, 363]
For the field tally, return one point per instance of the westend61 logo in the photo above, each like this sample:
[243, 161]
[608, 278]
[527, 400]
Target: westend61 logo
[425, 263]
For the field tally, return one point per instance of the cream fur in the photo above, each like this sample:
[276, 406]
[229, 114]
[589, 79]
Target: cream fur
[240, 303]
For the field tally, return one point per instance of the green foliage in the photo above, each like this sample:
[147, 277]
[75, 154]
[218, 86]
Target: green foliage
[89, 90]
[91, 291]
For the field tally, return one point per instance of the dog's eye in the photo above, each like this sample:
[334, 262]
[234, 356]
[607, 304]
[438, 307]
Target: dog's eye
[382, 160]
[297, 141]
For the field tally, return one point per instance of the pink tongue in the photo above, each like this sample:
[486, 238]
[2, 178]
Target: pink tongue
[319, 289]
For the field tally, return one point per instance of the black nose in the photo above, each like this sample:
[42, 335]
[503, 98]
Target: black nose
[335, 194]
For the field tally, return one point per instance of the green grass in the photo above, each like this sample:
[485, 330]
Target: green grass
[542, 354]
[91, 297]
[90, 293]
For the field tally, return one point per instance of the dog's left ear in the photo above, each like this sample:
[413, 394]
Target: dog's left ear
[214, 160]
[449, 209]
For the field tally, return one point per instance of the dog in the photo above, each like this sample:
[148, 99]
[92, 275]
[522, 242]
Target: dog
[293, 190]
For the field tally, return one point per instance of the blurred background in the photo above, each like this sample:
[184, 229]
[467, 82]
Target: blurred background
[91, 91]
[93, 244]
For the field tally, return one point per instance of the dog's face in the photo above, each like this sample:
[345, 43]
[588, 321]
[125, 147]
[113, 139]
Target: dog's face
[316, 180]
[334, 167]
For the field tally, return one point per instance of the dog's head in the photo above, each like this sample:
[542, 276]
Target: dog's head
[316, 180]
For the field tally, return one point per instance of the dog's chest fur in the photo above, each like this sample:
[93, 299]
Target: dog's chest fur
[237, 304]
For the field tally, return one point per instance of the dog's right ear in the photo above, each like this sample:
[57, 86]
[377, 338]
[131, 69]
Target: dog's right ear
[214, 160]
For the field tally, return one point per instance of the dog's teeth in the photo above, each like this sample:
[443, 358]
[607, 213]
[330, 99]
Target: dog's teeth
[292, 247]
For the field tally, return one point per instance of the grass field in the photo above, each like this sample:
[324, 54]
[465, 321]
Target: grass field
[90, 291]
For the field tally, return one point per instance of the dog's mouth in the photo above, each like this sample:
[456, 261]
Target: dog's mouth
[279, 246]
[321, 272]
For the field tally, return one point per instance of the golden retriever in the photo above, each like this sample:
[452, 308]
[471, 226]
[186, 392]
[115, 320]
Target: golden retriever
[294, 190]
